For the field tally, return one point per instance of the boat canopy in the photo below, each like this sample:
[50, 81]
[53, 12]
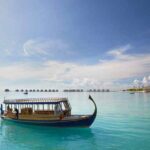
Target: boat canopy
[36, 101]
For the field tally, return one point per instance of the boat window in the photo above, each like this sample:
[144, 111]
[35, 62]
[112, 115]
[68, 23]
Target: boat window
[66, 105]
[40, 107]
[57, 109]
[50, 106]
[45, 107]
[63, 106]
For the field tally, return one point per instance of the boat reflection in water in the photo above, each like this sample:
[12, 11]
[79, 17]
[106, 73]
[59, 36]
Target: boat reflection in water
[55, 112]
[39, 137]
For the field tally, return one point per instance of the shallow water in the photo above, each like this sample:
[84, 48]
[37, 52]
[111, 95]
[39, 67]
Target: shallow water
[122, 123]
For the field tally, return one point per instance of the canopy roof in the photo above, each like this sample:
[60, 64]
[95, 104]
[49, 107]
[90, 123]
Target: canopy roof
[35, 101]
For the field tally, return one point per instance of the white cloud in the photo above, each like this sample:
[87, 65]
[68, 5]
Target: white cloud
[45, 47]
[119, 52]
[146, 81]
[137, 83]
[101, 75]
[142, 83]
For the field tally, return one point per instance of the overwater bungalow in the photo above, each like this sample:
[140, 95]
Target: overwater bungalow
[107, 90]
[90, 90]
[94, 90]
[7, 90]
[65, 90]
[72, 90]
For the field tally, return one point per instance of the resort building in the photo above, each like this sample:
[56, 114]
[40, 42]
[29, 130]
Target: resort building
[147, 89]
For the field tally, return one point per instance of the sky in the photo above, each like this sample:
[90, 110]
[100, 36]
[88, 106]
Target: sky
[74, 43]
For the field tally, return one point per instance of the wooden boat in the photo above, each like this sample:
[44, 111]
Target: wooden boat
[132, 92]
[26, 92]
[55, 112]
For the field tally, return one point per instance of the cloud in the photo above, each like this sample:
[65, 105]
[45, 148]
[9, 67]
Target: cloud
[146, 81]
[142, 83]
[32, 47]
[106, 74]
[119, 52]
[75, 75]
[137, 83]
[45, 47]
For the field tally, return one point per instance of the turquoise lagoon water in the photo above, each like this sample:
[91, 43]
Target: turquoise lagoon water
[122, 123]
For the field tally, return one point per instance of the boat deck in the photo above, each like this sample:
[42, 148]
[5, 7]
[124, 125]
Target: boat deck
[45, 117]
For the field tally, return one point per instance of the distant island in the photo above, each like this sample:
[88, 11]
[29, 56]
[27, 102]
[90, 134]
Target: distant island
[142, 89]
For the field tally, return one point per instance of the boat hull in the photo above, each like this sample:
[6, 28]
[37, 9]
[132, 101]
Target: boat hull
[78, 121]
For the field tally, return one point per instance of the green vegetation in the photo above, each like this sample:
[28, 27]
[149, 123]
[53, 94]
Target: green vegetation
[135, 89]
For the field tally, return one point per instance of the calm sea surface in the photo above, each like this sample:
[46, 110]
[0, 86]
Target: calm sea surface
[122, 123]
